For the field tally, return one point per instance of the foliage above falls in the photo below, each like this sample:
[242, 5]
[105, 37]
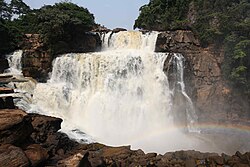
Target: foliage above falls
[58, 24]
[224, 23]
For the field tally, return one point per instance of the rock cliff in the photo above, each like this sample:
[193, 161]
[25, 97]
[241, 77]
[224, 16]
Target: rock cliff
[37, 59]
[214, 99]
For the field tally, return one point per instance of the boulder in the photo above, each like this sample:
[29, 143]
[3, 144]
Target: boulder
[15, 126]
[36, 154]
[11, 156]
[79, 159]
[44, 126]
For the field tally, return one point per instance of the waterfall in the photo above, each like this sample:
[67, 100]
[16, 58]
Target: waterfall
[23, 87]
[190, 116]
[118, 96]
[14, 61]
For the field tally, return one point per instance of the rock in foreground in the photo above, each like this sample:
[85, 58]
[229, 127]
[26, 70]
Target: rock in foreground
[15, 126]
[34, 140]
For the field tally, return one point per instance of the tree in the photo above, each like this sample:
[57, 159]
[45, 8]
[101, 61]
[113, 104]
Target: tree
[5, 12]
[61, 23]
[18, 7]
[163, 14]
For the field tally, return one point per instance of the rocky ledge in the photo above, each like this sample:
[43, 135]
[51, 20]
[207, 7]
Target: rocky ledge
[33, 140]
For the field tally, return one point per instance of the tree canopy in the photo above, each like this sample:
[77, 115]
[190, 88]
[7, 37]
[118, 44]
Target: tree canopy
[57, 24]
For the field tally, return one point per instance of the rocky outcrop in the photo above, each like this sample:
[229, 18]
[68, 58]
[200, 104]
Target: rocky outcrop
[48, 147]
[37, 58]
[44, 126]
[101, 29]
[214, 99]
[12, 156]
[116, 30]
[15, 126]
[100, 155]
[6, 100]
[36, 154]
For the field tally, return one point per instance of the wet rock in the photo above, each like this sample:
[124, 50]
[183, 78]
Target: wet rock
[44, 126]
[116, 30]
[6, 99]
[11, 156]
[15, 126]
[119, 152]
[36, 154]
[79, 159]
[59, 144]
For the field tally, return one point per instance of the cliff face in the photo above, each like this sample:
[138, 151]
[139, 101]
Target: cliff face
[37, 59]
[214, 99]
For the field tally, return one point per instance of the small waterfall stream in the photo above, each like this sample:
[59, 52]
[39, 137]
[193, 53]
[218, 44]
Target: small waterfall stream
[15, 64]
[23, 87]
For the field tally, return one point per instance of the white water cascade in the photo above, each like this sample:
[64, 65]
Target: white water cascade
[23, 86]
[120, 95]
[14, 61]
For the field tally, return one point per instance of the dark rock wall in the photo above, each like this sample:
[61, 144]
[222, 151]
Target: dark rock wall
[214, 99]
[37, 59]
[3, 64]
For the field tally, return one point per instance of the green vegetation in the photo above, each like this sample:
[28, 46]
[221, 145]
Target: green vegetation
[58, 24]
[225, 23]
[9, 32]
[163, 15]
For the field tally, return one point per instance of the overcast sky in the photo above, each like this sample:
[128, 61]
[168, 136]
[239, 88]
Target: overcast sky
[111, 13]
